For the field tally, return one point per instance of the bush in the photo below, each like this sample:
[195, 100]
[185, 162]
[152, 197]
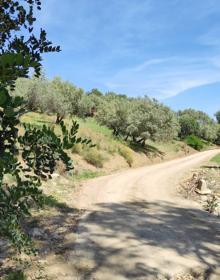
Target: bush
[211, 204]
[94, 157]
[194, 142]
[126, 154]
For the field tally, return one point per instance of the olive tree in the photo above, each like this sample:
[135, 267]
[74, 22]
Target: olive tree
[34, 91]
[217, 115]
[113, 112]
[217, 140]
[150, 120]
[189, 125]
[55, 96]
[63, 98]
[138, 119]
[198, 123]
[55, 100]
[86, 106]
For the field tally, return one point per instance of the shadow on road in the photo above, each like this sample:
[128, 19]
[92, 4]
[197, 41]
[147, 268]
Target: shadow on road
[125, 229]
[116, 237]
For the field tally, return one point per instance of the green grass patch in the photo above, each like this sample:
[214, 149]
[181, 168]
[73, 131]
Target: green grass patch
[15, 276]
[216, 159]
[94, 126]
[87, 174]
[195, 142]
[51, 201]
[126, 154]
[88, 123]
[38, 119]
[94, 157]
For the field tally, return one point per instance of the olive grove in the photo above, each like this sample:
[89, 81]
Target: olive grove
[133, 119]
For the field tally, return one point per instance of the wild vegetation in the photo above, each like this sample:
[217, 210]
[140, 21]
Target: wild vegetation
[216, 159]
[134, 120]
[31, 149]
[198, 123]
[28, 154]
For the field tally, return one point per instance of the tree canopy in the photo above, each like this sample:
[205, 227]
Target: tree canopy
[132, 119]
[197, 123]
[217, 115]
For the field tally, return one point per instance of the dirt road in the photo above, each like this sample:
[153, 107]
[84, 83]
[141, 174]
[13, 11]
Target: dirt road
[137, 226]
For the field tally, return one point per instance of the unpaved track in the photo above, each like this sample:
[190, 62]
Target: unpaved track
[137, 226]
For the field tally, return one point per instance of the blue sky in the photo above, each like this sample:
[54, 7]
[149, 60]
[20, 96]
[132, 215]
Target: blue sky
[169, 50]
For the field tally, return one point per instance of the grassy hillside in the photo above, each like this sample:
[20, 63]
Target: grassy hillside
[110, 153]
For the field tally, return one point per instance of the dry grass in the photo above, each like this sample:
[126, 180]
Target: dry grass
[94, 157]
[126, 153]
[107, 146]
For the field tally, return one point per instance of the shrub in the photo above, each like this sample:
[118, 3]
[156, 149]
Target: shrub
[194, 142]
[94, 157]
[126, 154]
[211, 204]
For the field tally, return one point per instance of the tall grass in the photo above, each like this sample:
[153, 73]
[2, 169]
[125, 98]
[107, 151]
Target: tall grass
[126, 154]
[87, 174]
[94, 157]
[106, 144]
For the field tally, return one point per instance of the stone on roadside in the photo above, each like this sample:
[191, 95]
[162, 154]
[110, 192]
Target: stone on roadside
[55, 175]
[37, 233]
[202, 187]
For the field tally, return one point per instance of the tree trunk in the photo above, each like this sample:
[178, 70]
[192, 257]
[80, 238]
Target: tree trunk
[143, 143]
[59, 118]
[134, 139]
[115, 131]
[140, 140]
[126, 138]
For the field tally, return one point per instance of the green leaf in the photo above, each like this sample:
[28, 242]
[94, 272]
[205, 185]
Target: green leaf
[3, 96]
[9, 112]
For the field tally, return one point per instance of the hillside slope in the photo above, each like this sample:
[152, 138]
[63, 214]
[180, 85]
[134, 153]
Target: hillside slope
[110, 153]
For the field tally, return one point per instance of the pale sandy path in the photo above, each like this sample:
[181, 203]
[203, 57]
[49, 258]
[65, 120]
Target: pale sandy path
[137, 226]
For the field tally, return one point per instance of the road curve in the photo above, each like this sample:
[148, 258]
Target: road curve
[137, 226]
